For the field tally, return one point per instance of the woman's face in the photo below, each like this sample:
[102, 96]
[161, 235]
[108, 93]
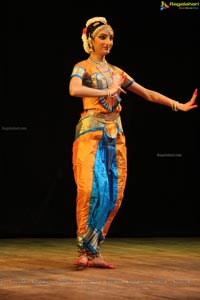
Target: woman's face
[103, 42]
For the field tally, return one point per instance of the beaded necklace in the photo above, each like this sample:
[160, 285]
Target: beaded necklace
[103, 68]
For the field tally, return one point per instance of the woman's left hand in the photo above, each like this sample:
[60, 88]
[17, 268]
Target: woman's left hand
[115, 87]
[190, 104]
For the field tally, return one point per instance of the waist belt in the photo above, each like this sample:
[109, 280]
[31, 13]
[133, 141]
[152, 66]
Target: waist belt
[106, 117]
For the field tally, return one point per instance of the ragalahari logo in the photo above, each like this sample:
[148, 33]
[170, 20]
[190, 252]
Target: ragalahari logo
[164, 5]
[179, 5]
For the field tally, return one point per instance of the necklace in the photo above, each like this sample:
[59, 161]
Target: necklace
[98, 61]
[103, 68]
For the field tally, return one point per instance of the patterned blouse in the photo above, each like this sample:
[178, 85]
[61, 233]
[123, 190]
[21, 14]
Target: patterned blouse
[92, 76]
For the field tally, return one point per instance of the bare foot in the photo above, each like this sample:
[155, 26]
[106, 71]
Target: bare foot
[82, 261]
[99, 262]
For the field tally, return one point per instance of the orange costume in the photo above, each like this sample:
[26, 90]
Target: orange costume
[99, 157]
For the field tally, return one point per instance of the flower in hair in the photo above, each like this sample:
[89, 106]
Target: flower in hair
[84, 31]
[85, 41]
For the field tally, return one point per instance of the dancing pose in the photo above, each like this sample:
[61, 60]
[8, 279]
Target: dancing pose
[99, 148]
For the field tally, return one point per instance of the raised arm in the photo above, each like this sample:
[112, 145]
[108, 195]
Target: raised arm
[159, 98]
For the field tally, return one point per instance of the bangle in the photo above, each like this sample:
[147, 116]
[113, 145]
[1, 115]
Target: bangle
[109, 93]
[174, 105]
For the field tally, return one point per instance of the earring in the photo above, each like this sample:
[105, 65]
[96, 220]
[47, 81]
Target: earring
[91, 48]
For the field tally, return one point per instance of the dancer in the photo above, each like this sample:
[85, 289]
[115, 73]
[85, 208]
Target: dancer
[99, 148]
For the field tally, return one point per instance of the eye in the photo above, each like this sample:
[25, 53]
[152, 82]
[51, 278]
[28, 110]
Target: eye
[102, 37]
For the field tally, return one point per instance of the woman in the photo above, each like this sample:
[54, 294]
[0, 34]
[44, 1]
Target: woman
[99, 149]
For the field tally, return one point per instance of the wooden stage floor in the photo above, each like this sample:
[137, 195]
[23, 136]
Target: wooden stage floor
[146, 269]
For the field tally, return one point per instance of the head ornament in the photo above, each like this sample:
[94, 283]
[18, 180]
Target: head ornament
[92, 27]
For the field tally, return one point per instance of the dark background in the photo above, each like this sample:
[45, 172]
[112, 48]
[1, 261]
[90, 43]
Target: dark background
[160, 49]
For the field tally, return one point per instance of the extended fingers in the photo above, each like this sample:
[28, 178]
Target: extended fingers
[123, 77]
[194, 96]
[195, 92]
[122, 90]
